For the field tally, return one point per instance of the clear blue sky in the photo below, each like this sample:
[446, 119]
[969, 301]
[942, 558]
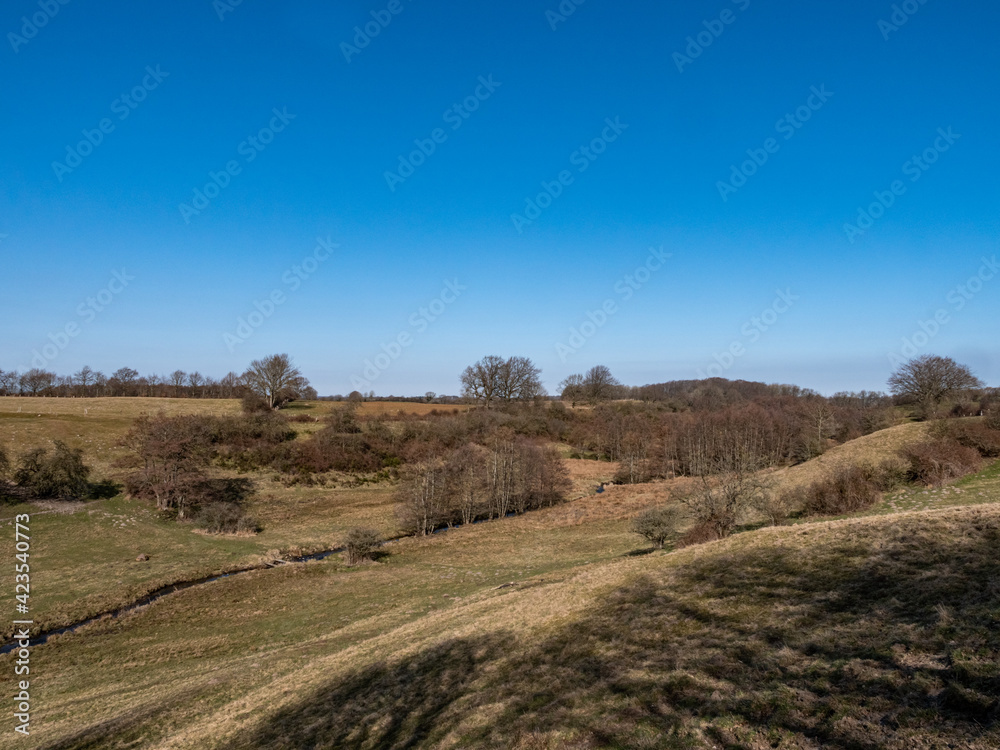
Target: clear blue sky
[684, 115]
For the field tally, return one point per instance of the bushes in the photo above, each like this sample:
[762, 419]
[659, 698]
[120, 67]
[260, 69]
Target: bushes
[936, 461]
[977, 435]
[700, 533]
[225, 518]
[361, 545]
[992, 419]
[658, 524]
[847, 491]
[508, 475]
[61, 475]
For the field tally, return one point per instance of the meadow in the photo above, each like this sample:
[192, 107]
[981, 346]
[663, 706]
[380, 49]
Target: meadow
[556, 628]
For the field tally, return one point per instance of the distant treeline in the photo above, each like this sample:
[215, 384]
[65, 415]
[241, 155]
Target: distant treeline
[125, 381]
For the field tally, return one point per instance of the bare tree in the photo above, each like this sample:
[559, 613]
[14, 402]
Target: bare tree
[35, 380]
[177, 379]
[481, 381]
[731, 485]
[599, 384]
[196, 381]
[519, 380]
[929, 379]
[422, 498]
[658, 524]
[84, 377]
[9, 382]
[494, 379]
[123, 380]
[275, 379]
[571, 389]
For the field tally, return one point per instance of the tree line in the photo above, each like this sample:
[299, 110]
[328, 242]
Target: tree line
[274, 379]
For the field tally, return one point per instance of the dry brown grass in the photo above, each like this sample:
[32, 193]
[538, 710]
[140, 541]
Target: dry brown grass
[538, 631]
[868, 633]
[870, 449]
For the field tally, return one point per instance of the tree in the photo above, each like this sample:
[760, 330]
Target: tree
[9, 382]
[177, 379]
[599, 384]
[84, 377]
[519, 380]
[929, 379]
[658, 524]
[731, 485]
[571, 389]
[169, 455]
[481, 381]
[493, 378]
[60, 475]
[123, 380]
[275, 379]
[361, 545]
[35, 381]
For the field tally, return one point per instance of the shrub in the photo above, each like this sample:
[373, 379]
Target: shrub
[657, 524]
[60, 475]
[254, 404]
[847, 491]
[936, 461]
[4, 463]
[361, 545]
[888, 475]
[992, 419]
[972, 434]
[699, 534]
[775, 507]
[225, 518]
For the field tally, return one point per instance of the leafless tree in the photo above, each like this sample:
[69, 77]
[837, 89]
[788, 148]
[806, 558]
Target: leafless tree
[422, 498]
[494, 379]
[929, 379]
[177, 379]
[84, 377]
[599, 384]
[36, 380]
[481, 381]
[195, 381]
[519, 380]
[9, 382]
[731, 485]
[275, 379]
[123, 381]
[571, 389]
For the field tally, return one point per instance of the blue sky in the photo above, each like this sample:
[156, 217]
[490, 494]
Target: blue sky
[743, 160]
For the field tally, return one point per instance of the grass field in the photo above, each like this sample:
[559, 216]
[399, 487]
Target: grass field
[559, 628]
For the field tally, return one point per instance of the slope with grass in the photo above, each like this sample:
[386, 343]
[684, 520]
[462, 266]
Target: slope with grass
[553, 629]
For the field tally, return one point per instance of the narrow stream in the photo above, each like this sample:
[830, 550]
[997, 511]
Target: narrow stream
[159, 593]
[173, 588]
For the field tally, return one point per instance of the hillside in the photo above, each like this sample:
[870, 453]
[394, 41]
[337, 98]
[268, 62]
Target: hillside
[860, 633]
[557, 628]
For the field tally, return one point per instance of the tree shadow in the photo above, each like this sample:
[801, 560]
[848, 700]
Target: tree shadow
[852, 648]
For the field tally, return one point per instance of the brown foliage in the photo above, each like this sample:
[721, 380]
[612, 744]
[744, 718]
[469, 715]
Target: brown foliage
[936, 461]
[977, 435]
[849, 490]
[509, 474]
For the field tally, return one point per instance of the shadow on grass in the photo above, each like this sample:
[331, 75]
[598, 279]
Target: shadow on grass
[858, 643]
[640, 552]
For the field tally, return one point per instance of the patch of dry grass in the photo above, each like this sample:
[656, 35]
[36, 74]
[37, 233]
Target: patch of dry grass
[869, 449]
